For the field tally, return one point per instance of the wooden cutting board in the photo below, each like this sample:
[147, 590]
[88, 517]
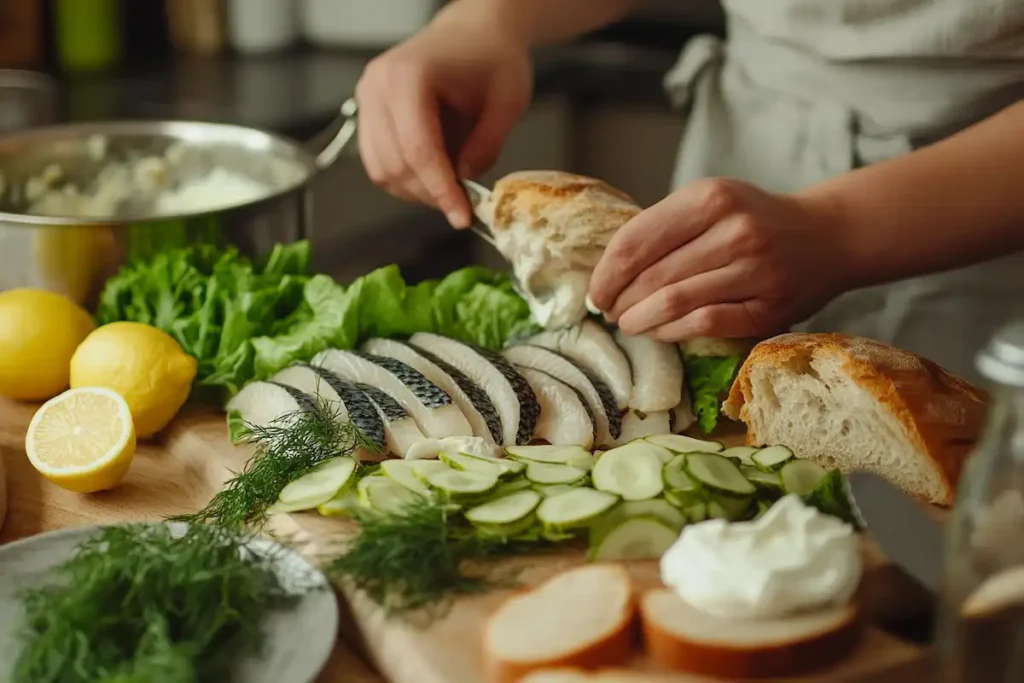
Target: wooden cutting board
[192, 460]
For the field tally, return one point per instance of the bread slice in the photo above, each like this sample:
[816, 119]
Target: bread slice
[600, 676]
[581, 618]
[679, 637]
[857, 404]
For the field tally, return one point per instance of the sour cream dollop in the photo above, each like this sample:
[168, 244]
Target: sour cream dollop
[793, 559]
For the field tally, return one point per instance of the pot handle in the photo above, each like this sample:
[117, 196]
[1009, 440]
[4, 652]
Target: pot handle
[345, 133]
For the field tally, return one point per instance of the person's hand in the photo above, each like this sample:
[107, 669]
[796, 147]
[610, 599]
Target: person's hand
[476, 80]
[719, 258]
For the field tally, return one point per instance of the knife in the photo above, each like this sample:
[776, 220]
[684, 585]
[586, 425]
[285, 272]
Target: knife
[902, 529]
[479, 195]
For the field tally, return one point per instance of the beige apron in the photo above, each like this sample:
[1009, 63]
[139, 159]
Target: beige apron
[808, 89]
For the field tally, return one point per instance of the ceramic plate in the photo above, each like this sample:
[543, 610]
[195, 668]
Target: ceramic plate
[299, 640]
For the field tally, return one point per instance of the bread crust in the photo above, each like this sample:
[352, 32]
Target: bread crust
[943, 415]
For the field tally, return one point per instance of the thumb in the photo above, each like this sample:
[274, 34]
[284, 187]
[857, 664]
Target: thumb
[478, 154]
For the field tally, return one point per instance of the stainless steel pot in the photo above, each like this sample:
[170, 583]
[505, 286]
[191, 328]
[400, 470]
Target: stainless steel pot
[66, 253]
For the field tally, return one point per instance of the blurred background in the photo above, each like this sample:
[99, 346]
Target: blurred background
[287, 65]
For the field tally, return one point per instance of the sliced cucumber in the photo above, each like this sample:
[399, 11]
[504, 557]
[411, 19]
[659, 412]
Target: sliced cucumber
[465, 463]
[740, 453]
[547, 490]
[385, 495]
[639, 538]
[772, 458]
[628, 509]
[339, 506]
[685, 499]
[763, 506]
[697, 512]
[731, 509]
[675, 476]
[677, 443]
[547, 473]
[769, 481]
[404, 472]
[505, 510]
[632, 471]
[718, 474]
[422, 469]
[504, 488]
[801, 476]
[511, 530]
[574, 509]
[279, 508]
[463, 485]
[509, 466]
[320, 485]
[555, 455]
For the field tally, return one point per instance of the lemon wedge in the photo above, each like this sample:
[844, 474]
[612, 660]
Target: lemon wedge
[82, 440]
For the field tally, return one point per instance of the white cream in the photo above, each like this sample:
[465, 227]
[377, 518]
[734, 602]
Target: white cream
[470, 445]
[792, 559]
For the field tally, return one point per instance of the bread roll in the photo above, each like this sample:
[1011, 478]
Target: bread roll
[857, 404]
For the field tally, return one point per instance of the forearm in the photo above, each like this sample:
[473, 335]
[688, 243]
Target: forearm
[538, 22]
[957, 202]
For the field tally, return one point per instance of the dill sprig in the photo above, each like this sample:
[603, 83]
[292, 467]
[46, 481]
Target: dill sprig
[421, 558]
[291, 446]
[139, 603]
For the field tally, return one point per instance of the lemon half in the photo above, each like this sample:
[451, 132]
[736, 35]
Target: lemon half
[82, 440]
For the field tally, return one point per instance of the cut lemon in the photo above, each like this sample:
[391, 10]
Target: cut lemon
[83, 440]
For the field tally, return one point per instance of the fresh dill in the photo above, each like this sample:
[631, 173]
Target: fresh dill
[140, 603]
[420, 558]
[289, 447]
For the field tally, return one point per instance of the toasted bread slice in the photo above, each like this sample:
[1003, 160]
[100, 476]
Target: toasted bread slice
[680, 637]
[581, 618]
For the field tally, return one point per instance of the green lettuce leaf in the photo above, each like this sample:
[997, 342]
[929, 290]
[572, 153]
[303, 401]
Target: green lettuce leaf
[708, 377]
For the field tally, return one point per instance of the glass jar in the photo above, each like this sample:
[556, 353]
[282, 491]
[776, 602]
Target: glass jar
[980, 628]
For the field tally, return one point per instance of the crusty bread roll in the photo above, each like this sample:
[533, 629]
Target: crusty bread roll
[582, 618]
[854, 403]
[599, 676]
[679, 637]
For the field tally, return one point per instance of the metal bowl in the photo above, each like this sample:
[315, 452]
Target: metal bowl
[74, 251]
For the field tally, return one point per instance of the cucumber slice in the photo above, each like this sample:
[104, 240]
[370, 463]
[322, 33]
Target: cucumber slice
[718, 474]
[628, 509]
[639, 538]
[385, 495]
[697, 512]
[422, 469]
[555, 455]
[675, 476]
[763, 506]
[677, 443]
[511, 530]
[339, 506]
[801, 476]
[404, 472]
[772, 458]
[769, 481]
[546, 473]
[684, 499]
[505, 510]
[632, 471]
[509, 466]
[552, 489]
[462, 484]
[320, 485]
[574, 509]
[731, 509]
[464, 463]
[504, 488]
[741, 453]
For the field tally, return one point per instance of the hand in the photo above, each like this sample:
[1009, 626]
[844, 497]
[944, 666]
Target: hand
[719, 258]
[477, 79]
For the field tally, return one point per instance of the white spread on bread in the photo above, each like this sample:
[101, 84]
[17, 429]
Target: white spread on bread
[792, 559]
[553, 227]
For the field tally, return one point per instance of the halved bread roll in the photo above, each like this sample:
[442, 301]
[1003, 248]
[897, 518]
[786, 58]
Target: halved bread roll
[582, 618]
[602, 676]
[680, 637]
[854, 403]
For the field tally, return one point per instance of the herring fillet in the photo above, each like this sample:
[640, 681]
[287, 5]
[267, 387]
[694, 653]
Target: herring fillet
[431, 408]
[565, 418]
[598, 396]
[261, 404]
[474, 402]
[509, 391]
[657, 369]
[591, 346]
[401, 430]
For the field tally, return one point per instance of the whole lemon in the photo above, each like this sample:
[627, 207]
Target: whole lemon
[142, 363]
[39, 332]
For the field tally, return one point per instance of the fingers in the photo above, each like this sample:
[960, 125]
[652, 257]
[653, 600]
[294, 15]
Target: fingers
[725, 321]
[382, 158]
[661, 229]
[484, 143]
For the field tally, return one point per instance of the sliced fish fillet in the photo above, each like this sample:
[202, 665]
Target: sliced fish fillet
[681, 417]
[473, 401]
[657, 371]
[508, 390]
[565, 418]
[431, 408]
[400, 429]
[598, 396]
[591, 345]
[636, 425]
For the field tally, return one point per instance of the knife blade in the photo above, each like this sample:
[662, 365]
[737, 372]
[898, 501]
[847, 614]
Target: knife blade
[902, 529]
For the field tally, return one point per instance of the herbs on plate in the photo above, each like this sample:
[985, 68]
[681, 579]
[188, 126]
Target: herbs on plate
[138, 603]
